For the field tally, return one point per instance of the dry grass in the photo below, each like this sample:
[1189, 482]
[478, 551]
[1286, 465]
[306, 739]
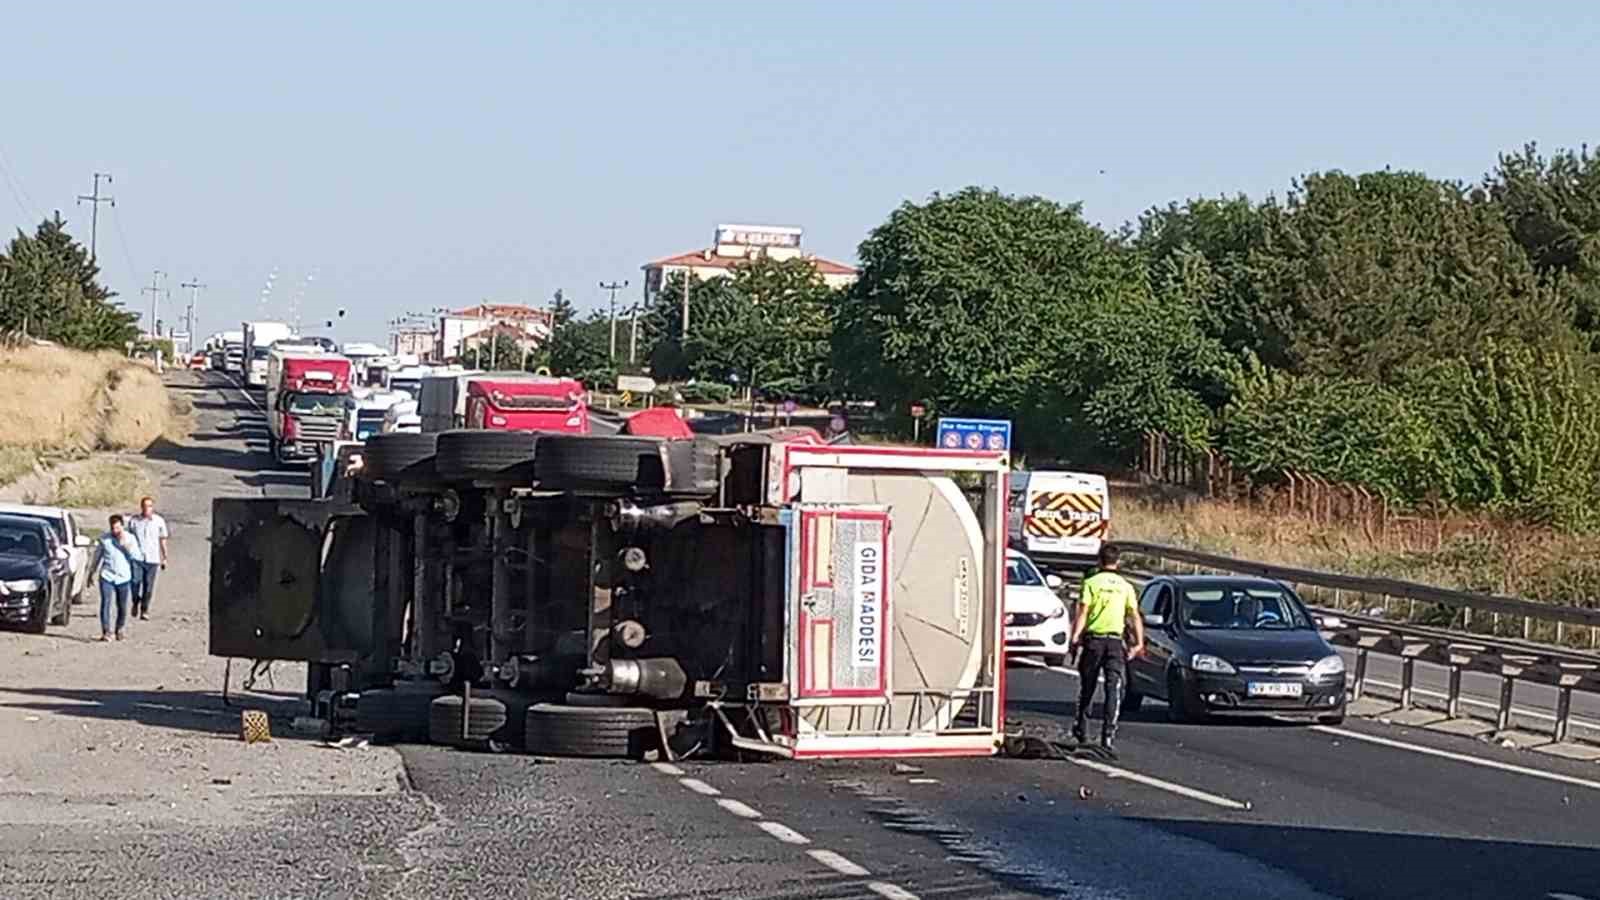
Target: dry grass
[1462, 553]
[63, 401]
[15, 462]
[103, 484]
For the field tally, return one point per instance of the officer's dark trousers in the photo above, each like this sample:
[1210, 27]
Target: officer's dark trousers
[1101, 654]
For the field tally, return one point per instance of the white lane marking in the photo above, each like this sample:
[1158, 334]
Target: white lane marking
[891, 891]
[838, 863]
[1485, 704]
[742, 810]
[782, 832]
[1181, 790]
[245, 393]
[667, 769]
[1458, 757]
[1039, 665]
[699, 787]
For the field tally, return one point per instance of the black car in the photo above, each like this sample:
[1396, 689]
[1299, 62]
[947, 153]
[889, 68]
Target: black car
[1219, 645]
[35, 575]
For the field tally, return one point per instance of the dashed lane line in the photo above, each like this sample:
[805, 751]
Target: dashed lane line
[1457, 757]
[699, 787]
[742, 810]
[783, 832]
[838, 863]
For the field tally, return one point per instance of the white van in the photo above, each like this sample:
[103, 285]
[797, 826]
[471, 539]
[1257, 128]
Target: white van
[1058, 518]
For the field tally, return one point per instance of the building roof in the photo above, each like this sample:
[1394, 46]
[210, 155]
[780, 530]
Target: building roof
[698, 259]
[501, 329]
[500, 311]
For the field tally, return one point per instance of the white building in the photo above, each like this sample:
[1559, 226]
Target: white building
[737, 244]
[455, 327]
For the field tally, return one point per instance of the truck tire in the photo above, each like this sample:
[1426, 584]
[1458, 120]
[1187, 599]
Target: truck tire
[618, 732]
[395, 716]
[399, 456]
[471, 454]
[624, 464]
[490, 718]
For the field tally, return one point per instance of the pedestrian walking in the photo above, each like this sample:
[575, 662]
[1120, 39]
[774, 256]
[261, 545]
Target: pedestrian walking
[150, 532]
[1107, 605]
[116, 565]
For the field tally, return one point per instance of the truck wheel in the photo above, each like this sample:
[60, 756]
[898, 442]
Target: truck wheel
[624, 464]
[394, 716]
[471, 454]
[621, 732]
[399, 455]
[491, 718]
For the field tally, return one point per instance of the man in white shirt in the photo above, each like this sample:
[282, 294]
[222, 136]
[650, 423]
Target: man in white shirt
[149, 530]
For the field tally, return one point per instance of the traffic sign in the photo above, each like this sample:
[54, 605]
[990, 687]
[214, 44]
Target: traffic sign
[789, 406]
[918, 410]
[974, 434]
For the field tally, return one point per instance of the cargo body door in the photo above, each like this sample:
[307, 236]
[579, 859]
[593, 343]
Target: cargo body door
[840, 639]
[292, 580]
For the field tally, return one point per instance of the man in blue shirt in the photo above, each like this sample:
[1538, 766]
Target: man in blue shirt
[116, 577]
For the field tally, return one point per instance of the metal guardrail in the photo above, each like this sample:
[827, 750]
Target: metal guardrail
[1389, 588]
[1511, 660]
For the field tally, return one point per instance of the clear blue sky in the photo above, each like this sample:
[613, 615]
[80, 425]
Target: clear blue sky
[414, 155]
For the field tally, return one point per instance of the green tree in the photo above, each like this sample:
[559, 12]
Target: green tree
[980, 303]
[50, 288]
[1374, 272]
[1552, 207]
[579, 346]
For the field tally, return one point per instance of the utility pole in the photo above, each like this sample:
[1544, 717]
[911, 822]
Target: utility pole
[683, 339]
[154, 290]
[94, 210]
[613, 287]
[194, 287]
[633, 344]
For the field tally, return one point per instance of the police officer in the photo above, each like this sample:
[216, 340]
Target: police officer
[1107, 605]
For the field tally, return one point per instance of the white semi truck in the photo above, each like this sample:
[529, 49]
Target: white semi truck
[258, 340]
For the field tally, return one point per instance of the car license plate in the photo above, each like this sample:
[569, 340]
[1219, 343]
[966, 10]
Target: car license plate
[1275, 688]
[1016, 634]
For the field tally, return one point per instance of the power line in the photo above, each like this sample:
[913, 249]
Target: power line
[122, 238]
[94, 210]
[18, 192]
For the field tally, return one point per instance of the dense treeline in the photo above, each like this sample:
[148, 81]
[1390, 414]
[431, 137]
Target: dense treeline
[1432, 340]
[50, 289]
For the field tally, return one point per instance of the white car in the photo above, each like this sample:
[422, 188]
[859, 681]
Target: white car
[1037, 620]
[73, 541]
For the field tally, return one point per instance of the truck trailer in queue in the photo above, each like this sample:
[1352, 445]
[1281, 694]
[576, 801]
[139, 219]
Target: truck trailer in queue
[503, 401]
[306, 396]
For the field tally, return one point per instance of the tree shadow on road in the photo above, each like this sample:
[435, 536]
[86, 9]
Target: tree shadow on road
[236, 459]
[195, 711]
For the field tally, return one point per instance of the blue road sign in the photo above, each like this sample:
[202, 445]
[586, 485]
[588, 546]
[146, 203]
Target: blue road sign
[974, 434]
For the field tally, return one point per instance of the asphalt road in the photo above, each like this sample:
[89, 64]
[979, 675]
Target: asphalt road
[1238, 810]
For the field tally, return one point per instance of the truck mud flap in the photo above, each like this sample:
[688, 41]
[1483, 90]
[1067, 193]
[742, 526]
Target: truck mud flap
[291, 580]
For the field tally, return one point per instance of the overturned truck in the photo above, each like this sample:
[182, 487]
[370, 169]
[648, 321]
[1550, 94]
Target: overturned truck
[584, 595]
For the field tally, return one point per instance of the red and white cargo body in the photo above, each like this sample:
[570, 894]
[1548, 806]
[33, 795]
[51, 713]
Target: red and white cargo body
[306, 391]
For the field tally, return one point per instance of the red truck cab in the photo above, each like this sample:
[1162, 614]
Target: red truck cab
[527, 403]
[305, 402]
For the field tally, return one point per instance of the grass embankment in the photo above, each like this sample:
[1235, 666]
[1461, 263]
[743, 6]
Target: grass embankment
[1463, 553]
[58, 404]
[101, 484]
